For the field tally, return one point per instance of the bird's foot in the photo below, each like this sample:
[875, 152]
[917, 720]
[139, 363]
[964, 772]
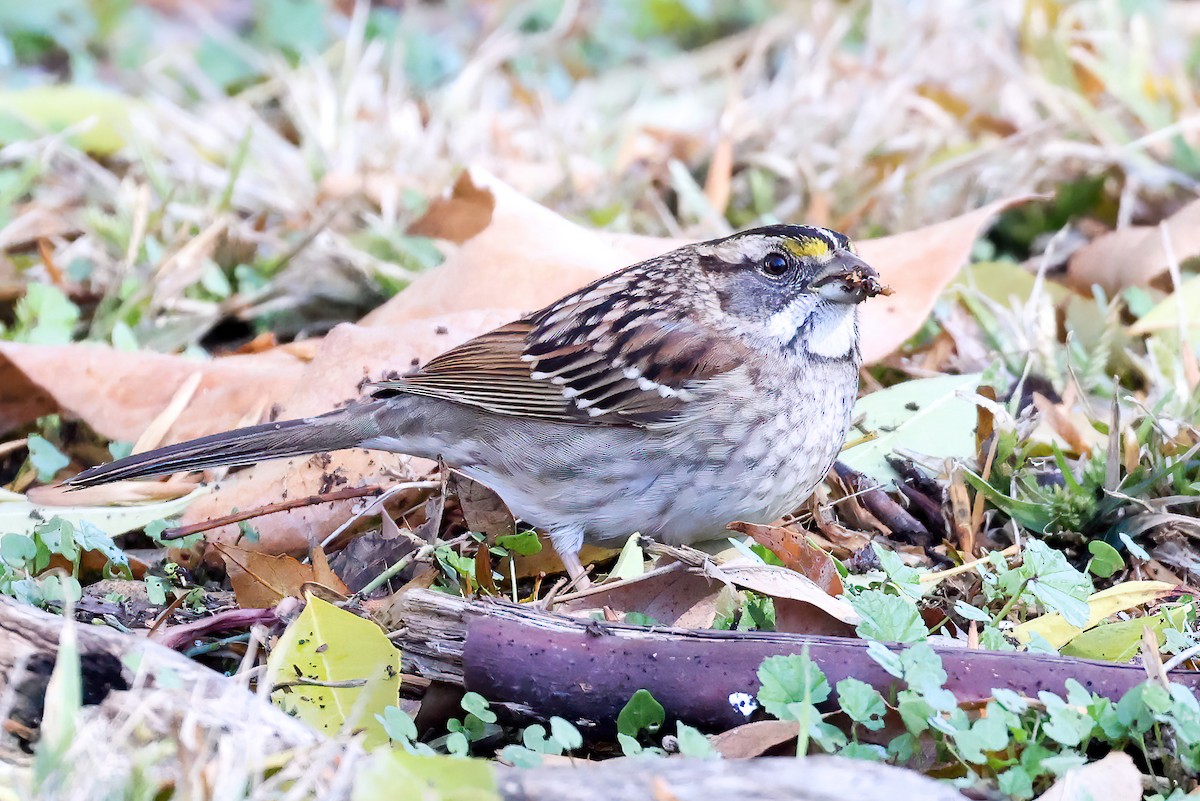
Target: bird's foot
[575, 569]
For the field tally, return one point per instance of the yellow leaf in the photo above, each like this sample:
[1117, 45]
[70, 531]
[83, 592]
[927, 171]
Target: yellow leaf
[1102, 604]
[55, 108]
[1116, 642]
[326, 645]
[400, 776]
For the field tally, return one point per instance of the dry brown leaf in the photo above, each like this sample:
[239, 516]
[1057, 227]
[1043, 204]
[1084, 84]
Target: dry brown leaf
[796, 617]
[754, 739]
[546, 561]
[1067, 428]
[323, 574]
[118, 393]
[681, 599]
[918, 265]
[483, 510]
[779, 582]
[1136, 255]
[366, 557]
[260, 581]
[526, 258]
[34, 221]
[346, 357]
[796, 553]
[119, 493]
[1113, 778]
[529, 256]
[463, 213]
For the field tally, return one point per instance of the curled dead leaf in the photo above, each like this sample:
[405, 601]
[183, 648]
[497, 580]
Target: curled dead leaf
[680, 599]
[1113, 778]
[529, 256]
[118, 394]
[796, 553]
[459, 215]
[260, 581]
[1136, 255]
[755, 739]
[781, 583]
[346, 357]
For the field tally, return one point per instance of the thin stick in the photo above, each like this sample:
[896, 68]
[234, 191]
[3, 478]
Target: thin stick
[965, 567]
[376, 505]
[1180, 658]
[337, 685]
[617, 585]
[179, 532]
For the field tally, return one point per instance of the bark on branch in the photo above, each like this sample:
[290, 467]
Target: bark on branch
[586, 671]
[127, 678]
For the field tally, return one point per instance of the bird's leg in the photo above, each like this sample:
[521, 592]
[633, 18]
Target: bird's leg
[579, 577]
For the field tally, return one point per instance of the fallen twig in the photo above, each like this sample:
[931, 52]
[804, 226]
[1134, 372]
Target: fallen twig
[598, 589]
[903, 525]
[179, 532]
[175, 637]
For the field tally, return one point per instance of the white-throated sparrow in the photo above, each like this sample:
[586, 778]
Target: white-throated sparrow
[710, 384]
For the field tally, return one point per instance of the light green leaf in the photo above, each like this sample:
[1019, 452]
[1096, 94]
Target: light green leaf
[642, 712]
[535, 739]
[156, 590]
[888, 618]
[969, 612]
[478, 706]
[46, 458]
[1164, 318]
[789, 682]
[907, 579]
[862, 703]
[98, 118]
[330, 645]
[1067, 724]
[694, 744]
[520, 756]
[1116, 642]
[526, 543]
[397, 775]
[45, 316]
[629, 745]
[17, 550]
[19, 516]
[924, 416]
[565, 733]
[632, 562]
[398, 724]
[1105, 560]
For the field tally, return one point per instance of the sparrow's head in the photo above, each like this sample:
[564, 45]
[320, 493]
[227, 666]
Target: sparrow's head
[794, 285]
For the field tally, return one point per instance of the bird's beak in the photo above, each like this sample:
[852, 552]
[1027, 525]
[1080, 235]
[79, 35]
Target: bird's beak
[848, 279]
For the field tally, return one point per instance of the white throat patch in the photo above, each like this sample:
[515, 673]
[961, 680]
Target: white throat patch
[833, 330]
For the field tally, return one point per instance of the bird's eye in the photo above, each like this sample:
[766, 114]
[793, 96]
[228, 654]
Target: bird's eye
[775, 265]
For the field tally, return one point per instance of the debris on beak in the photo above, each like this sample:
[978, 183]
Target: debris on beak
[849, 279]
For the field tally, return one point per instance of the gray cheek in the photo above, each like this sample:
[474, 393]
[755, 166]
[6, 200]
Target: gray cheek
[749, 296]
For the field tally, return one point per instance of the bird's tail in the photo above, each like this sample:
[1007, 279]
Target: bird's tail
[344, 428]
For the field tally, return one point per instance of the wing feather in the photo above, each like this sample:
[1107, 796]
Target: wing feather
[582, 360]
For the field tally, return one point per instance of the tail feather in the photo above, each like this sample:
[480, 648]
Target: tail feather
[344, 428]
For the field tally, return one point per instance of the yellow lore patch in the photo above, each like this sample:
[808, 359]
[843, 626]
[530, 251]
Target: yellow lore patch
[807, 248]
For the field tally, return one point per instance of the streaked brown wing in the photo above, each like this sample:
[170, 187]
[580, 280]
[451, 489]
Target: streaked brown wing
[578, 362]
[489, 372]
